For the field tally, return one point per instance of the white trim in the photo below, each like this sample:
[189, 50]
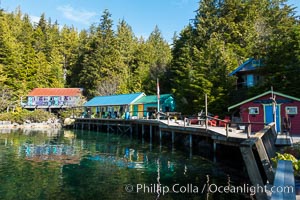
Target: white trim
[253, 110]
[287, 110]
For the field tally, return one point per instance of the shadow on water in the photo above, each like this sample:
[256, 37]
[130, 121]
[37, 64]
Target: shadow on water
[92, 165]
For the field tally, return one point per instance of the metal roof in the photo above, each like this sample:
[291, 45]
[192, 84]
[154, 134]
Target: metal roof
[113, 100]
[152, 99]
[55, 92]
[246, 66]
[261, 95]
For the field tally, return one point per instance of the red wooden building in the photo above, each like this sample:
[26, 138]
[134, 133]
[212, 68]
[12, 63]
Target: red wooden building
[261, 109]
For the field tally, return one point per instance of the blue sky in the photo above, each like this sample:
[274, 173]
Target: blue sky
[142, 15]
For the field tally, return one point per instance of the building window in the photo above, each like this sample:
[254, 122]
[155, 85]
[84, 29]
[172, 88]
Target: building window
[256, 63]
[291, 110]
[253, 110]
[250, 80]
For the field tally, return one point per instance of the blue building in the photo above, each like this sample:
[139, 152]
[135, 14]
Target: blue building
[248, 74]
[113, 106]
[147, 105]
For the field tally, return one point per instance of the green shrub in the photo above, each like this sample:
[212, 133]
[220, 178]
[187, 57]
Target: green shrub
[39, 116]
[20, 116]
[69, 113]
[287, 156]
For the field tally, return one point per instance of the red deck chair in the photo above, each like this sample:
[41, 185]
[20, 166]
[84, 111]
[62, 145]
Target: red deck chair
[225, 121]
[213, 122]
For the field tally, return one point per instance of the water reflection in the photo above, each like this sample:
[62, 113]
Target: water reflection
[45, 152]
[91, 165]
[158, 177]
[131, 159]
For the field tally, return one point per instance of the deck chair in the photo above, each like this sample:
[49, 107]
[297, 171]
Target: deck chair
[225, 121]
[213, 122]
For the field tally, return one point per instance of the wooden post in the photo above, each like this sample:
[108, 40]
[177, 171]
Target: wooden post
[160, 135]
[191, 145]
[247, 130]
[251, 166]
[173, 137]
[214, 151]
[206, 112]
[270, 147]
[265, 160]
[226, 127]
[150, 134]
[269, 143]
[160, 139]
[268, 140]
[150, 138]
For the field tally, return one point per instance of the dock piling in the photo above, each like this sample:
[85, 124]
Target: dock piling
[173, 137]
[150, 134]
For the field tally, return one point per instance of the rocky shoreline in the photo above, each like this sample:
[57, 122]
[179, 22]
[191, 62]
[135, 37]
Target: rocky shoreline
[50, 124]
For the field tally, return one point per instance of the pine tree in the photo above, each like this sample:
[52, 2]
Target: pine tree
[10, 51]
[159, 59]
[282, 63]
[100, 64]
[73, 76]
[126, 44]
[69, 47]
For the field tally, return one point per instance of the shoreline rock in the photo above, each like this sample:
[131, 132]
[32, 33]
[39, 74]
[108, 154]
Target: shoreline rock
[28, 125]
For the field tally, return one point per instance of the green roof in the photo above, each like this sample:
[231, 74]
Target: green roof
[152, 99]
[261, 95]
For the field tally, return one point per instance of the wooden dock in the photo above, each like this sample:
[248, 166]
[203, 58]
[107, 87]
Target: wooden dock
[223, 135]
[256, 149]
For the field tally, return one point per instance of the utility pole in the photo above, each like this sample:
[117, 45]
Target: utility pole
[274, 108]
[206, 112]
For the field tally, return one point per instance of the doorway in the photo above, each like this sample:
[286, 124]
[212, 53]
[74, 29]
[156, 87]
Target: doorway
[268, 109]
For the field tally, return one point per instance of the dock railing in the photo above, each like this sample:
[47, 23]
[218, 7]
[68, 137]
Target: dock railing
[202, 120]
[247, 126]
[228, 124]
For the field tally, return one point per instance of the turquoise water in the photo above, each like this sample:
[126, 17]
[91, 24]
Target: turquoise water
[89, 165]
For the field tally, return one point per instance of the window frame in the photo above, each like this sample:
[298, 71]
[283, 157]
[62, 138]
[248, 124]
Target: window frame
[253, 113]
[287, 110]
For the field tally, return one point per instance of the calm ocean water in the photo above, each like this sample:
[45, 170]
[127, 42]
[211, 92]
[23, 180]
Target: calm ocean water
[89, 165]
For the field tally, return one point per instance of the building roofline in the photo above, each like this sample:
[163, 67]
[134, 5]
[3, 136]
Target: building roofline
[137, 102]
[139, 95]
[240, 67]
[263, 94]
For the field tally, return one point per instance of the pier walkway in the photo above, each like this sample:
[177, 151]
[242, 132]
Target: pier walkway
[225, 135]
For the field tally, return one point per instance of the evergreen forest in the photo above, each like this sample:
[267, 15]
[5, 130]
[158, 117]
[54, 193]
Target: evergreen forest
[104, 61]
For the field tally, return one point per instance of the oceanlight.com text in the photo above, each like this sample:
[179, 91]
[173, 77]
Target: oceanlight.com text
[205, 188]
